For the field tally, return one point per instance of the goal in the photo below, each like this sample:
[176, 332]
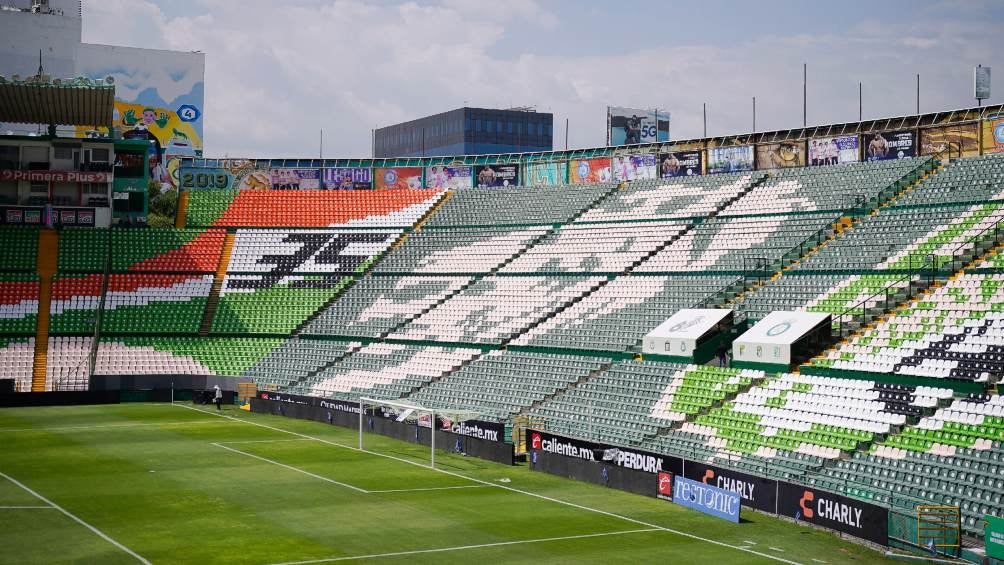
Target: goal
[373, 410]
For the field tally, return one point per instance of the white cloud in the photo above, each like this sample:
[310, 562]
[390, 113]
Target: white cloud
[276, 73]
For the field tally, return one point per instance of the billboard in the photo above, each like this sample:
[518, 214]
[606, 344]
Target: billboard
[158, 94]
[634, 167]
[962, 140]
[398, 177]
[993, 134]
[993, 533]
[497, 175]
[981, 83]
[730, 159]
[449, 178]
[627, 126]
[708, 499]
[755, 492]
[589, 171]
[851, 516]
[589, 451]
[295, 179]
[834, 150]
[780, 155]
[680, 164]
[348, 178]
[546, 174]
[888, 145]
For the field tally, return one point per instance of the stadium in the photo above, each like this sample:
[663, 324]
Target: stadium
[768, 347]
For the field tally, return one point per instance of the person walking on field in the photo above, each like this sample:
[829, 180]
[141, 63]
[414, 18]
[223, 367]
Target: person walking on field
[218, 398]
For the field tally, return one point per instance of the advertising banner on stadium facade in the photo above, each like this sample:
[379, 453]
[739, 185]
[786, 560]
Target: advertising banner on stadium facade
[634, 167]
[497, 175]
[398, 177]
[993, 135]
[780, 155]
[589, 171]
[340, 405]
[756, 492]
[627, 126]
[546, 174]
[490, 431]
[962, 140]
[888, 145]
[587, 450]
[680, 164]
[834, 150]
[706, 498]
[54, 176]
[348, 178]
[730, 159]
[216, 178]
[664, 485]
[449, 178]
[295, 179]
[859, 519]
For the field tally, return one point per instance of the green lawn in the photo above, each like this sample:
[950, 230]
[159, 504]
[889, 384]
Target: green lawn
[176, 485]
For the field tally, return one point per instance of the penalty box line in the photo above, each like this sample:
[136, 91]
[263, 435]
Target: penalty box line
[329, 480]
[511, 489]
[76, 519]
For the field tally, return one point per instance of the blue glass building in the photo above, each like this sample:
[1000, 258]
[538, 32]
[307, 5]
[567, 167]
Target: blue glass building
[467, 131]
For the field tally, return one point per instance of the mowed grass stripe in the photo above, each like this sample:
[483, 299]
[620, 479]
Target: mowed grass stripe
[171, 495]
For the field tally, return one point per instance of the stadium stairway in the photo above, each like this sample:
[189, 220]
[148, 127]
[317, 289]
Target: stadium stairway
[48, 255]
[182, 213]
[214, 294]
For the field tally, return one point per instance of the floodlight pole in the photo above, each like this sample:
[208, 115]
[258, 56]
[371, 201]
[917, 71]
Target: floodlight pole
[918, 94]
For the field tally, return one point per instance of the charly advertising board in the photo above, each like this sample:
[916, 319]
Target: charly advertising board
[834, 150]
[853, 517]
[680, 164]
[756, 492]
[494, 176]
[730, 159]
[888, 145]
[628, 168]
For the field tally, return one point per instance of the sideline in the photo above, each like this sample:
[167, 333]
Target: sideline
[527, 493]
[103, 426]
[462, 547]
[73, 517]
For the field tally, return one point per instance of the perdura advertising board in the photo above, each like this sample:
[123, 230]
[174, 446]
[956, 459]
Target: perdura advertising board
[680, 164]
[854, 517]
[586, 450]
[496, 175]
[887, 145]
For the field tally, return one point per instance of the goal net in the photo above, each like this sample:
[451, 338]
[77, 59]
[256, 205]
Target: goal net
[407, 421]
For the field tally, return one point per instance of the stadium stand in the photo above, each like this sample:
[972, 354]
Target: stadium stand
[972, 180]
[517, 206]
[18, 354]
[459, 250]
[155, 303]
[20, 248]
[180, 355]
[68, 363]
[296, 359]
[18, 303]
[75, 303]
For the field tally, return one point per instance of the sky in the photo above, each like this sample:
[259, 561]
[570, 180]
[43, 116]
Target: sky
[279, 71]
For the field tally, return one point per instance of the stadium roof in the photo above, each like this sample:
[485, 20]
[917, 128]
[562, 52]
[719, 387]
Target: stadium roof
[79, 102]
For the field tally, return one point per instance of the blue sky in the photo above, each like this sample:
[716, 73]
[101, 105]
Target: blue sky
[277, 72]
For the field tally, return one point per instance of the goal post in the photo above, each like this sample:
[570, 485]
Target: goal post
[412, 413]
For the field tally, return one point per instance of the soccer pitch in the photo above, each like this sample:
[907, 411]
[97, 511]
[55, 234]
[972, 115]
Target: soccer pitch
[162, 483]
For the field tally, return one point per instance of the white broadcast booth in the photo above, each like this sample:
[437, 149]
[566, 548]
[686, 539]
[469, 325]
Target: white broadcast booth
[781, 339]
[689, 335]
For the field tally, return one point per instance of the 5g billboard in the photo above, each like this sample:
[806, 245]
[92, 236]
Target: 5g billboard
[628, 126]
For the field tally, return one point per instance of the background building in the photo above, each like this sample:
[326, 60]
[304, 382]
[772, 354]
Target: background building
[467, 131]
[158, 94]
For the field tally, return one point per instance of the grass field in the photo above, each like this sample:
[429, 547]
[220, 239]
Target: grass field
[172, 484]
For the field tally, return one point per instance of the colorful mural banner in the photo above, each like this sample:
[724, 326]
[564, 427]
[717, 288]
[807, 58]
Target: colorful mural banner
[887, 145]
[348, 178]
[442, 177]
[295, 179]
[634, 167]
[834, 150]
[589, 171]
[960, 140]
[680, 164]
[398, 177]
[546, 174]
[734, 159]
[780, 155]
[993, 135]
[497, 175]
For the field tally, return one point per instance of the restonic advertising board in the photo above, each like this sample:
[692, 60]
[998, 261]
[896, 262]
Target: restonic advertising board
[708, 499]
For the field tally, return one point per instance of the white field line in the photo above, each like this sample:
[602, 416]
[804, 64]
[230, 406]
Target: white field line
[423, 489]
[462, 547]
[27, 508]
[100, 426]
[292, 468]
[262, 441]
[73, 517]
[512, 489]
